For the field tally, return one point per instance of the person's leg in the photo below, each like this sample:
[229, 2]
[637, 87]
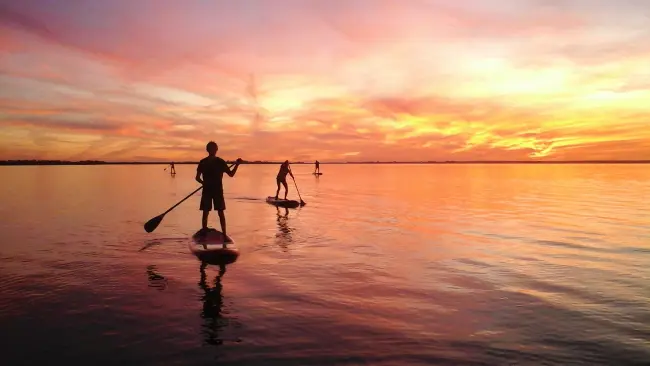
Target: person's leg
[205, 206]
[222, 221]
[277, 181]
[220, 206]
[286, 188]
[204, 220]
[204, 227]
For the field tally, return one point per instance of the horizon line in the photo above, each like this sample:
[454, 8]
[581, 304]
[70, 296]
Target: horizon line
[19, 162]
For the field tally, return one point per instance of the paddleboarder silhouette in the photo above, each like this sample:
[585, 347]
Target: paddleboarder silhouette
[281, 178]
[172, 169]
[209, 173]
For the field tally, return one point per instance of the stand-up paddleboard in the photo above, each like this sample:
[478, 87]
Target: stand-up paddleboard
[214, 251]
[282, 202]
[317, 173]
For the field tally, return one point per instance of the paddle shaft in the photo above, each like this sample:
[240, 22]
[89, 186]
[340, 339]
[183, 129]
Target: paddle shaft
[181, 201]
[297, 190]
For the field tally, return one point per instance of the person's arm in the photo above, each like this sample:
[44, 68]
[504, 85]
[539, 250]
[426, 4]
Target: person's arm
[231, 173]
[198, 174]
[290, 172]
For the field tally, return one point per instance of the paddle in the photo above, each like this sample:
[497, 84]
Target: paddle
[152, 224]
[302, 203]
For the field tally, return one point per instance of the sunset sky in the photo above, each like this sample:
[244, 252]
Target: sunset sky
[334, 80]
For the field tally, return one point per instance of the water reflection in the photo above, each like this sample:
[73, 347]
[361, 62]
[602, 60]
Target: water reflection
[552, 270]
[156, 280]
[212, 299]
[283, 237]
[159, 241]
[149, 244]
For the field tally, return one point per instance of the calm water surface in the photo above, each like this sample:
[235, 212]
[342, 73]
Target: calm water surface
[386, 265]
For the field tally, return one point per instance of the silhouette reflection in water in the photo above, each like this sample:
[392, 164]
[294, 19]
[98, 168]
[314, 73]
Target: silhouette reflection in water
[212, 309]
[211, 313]
[156, 280]
[284, 235]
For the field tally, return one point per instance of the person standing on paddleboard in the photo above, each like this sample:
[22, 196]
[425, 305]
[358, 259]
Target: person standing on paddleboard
[282, 178]
[317, 167]
[209, 173]
[173, 168]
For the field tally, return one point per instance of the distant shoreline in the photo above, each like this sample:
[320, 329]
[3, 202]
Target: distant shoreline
[96, 162]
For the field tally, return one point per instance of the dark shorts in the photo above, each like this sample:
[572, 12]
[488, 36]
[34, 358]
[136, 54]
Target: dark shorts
[281, 180]
[212, 200]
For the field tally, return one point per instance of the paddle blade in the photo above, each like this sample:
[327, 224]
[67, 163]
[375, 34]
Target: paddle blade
[152, 224]
[302, 203]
